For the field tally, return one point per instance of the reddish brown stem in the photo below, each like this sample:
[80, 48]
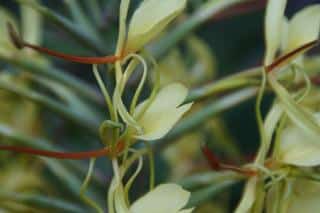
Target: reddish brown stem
[64, 155]
[211, 158]
[73, 58]
[20, 43]
[58, 155]
[215, 163]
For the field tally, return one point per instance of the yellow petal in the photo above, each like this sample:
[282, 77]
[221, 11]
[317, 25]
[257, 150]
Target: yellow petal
[163, 112]
[273, 24]
[150, 19]
[299, 148]
[169, 198]
[304, 27]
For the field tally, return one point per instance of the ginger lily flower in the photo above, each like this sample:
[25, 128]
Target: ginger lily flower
[163, 112]
[169, 198]
[293, 45]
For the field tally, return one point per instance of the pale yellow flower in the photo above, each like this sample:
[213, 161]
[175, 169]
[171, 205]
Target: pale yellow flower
[165, 198]
[163, 113]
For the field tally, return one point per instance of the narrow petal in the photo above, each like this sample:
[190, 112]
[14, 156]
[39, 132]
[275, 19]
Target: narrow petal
[163, 112]
[150, 19]
[248, 197]
[157, 125]
[304, 27]
[273, 24]
[169, 198]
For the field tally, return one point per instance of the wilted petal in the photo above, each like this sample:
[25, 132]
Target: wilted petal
[274, 17]
[304, 27]
[169, 198]
[151, 18]
[163, 112]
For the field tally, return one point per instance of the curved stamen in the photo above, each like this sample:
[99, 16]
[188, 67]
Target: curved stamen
[20, 43]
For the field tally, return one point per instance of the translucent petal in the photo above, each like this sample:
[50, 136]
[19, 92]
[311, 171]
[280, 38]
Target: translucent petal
[169, 198]
[149, 19]
[304, 27]
[273, 24]
[163, 112]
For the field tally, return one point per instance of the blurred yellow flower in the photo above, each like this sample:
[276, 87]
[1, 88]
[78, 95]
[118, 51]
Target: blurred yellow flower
[168, 198]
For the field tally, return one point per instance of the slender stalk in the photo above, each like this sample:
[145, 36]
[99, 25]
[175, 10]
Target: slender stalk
[235, 81]
[84, 186]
